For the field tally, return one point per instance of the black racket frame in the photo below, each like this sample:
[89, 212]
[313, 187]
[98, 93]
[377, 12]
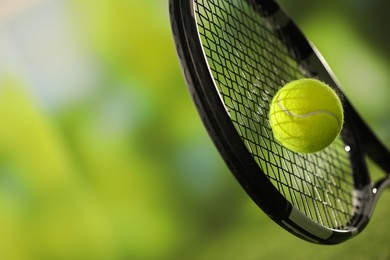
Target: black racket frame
[356, 134]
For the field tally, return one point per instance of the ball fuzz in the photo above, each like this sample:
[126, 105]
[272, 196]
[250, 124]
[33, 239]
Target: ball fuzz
[306, 115]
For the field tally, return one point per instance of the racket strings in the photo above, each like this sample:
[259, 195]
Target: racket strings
[250, 62]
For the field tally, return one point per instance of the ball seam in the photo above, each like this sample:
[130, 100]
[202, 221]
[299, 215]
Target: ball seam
[312, 113]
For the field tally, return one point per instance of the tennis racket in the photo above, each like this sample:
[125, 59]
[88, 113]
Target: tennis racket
[235, 55]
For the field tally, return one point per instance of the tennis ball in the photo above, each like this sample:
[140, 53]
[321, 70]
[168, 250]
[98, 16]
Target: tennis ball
[306, 115]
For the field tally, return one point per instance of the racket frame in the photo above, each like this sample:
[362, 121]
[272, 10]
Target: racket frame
[214, 115]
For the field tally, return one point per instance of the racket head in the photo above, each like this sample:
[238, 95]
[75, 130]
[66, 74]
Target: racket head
[235, 55]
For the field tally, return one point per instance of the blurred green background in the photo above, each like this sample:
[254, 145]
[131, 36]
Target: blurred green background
[102, 153]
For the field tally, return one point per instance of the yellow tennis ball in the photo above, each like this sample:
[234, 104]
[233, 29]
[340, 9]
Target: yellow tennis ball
[306, 115]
